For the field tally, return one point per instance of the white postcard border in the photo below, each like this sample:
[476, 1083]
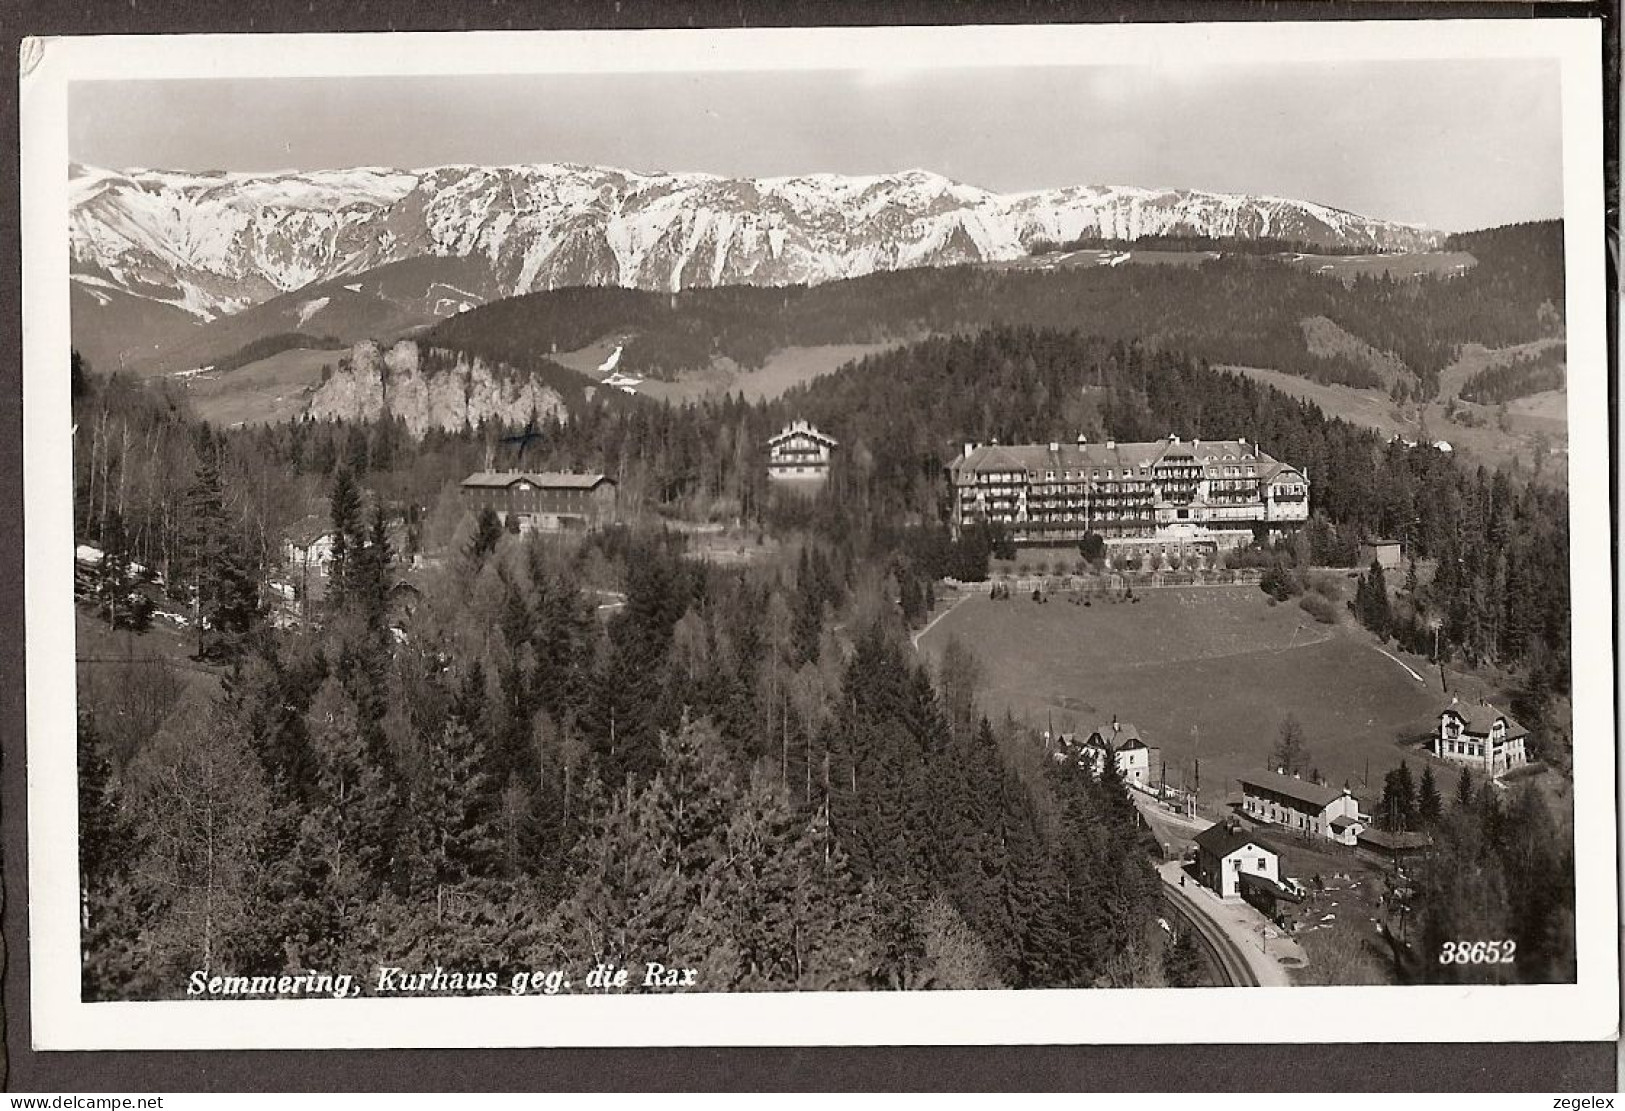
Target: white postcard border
[1583, 1011]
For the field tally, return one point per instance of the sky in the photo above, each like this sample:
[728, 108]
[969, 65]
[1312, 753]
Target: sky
[1454, 145]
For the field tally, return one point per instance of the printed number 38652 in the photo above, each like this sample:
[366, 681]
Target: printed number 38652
[1478, 952]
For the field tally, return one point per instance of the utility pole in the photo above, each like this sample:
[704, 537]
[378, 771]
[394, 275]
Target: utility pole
[1195, 799]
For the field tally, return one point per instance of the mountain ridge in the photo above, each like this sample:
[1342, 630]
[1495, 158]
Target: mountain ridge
[212, 243]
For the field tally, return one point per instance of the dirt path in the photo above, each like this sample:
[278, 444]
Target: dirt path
[915, 639]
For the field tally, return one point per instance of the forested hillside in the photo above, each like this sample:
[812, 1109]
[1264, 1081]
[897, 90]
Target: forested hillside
[712, 777]
[1238, 310]
[1520, 377]
[748, 761]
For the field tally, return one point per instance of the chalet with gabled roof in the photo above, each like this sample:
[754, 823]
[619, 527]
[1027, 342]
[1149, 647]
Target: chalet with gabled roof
[1482, 737]
[799, 453]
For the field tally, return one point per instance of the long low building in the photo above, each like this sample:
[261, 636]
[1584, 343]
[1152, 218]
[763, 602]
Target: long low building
[1301, 806]
[1198, 492]
[542, 499]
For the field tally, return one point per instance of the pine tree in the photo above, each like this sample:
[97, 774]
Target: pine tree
[774, 908]
[487, 534]
[1429, 805]
[113, 906]
[1397, 810]
[349, 535]
[345, 839]
[237, 608]
[1464, 789]
[1406, 791]
[204, 543]
[1371, 601]
[460, 808]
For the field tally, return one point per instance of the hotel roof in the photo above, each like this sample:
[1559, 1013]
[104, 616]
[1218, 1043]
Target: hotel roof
[1080, 456]
[1299, 790]
[547, 480]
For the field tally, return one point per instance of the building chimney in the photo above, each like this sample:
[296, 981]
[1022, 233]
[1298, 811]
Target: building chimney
[1054, 447]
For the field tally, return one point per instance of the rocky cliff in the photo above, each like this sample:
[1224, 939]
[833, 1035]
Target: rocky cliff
[444, 393]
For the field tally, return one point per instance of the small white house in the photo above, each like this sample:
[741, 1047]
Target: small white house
[307, 550]
[314, 554]
[1226, 854]
[1134, 757]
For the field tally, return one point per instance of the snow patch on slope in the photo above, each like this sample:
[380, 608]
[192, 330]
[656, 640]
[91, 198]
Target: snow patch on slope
[310, 308]
[213, 243]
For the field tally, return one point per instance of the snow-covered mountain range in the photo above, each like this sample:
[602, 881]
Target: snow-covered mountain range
[211, 244]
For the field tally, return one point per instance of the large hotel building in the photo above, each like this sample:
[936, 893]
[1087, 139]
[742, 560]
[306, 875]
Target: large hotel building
[1195, 493]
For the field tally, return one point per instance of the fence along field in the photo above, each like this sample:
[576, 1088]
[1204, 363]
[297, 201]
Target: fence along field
[1220, 659]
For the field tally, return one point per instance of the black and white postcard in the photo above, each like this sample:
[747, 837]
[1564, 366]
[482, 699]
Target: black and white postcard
[971, 535]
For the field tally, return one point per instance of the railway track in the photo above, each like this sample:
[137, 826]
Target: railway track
[1226, 955]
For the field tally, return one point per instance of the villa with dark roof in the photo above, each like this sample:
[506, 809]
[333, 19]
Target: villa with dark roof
[1301, 806]
[1119, 741]
[1134, 757]
[1189, 494]
[1480, 736]
[546, 500]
